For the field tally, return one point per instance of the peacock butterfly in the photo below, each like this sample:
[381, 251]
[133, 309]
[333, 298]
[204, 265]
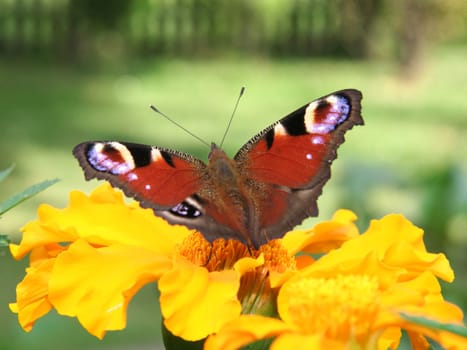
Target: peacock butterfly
[270, 186]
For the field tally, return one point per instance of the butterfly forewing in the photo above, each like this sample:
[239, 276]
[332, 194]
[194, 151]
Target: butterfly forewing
[157, 177]
[294, 156]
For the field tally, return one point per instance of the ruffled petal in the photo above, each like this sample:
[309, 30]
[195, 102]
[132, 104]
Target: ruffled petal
[96, 284]
[244, 265]
[393, 272]
[244, 330]
[393, 241]
[389, 338]
[450, 340]
[305, 341]
[32, 294]
[422, 297]
[324, 236]
[102, 218]
[416, 261]
[195, 302]
[39, 235]
[381, 235]
[418, 341]
[345, 262]
[277, 279]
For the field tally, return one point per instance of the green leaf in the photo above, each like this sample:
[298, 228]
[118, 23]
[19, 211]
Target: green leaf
[263, 344]
[6, 172]
[26, 194]
[448, 327]
[434, 345]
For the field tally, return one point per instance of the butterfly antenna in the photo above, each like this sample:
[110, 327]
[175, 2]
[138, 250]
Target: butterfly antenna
[179, 125]
[242, 90]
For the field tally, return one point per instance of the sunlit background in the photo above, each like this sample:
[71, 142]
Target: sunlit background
[74, 70]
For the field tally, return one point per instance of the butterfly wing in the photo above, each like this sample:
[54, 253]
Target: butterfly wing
[158, 178]
[283, 168]
[291, 159]
[164, 180]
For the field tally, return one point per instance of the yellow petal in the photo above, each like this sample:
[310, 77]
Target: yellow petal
[102, 219]
[393, 241]
[421, 296]
[389, 232]
[304, 261]
[389, 338]
[344, 216]
[244, 330]
[32, 294]
[450, 340]
[305, 341]
[382, 234]
[36, 234]
[417, 261]
[295, 240]
[244, 265]
[418, 341]
[96, 284]
[277, 279]
[343, 261]
[398, 228]
[195, 302]
[323, 236]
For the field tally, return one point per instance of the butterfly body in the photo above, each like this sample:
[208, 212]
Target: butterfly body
[226, 194]
[270, 186]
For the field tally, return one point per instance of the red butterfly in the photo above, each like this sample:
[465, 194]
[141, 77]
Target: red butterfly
[269, 187]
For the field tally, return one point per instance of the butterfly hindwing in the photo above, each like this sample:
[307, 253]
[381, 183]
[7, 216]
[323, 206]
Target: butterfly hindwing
[156, 177]
[294, 155]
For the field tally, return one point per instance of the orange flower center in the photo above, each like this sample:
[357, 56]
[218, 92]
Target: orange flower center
[255, 292]
[343, 307]
[216, 256]
[222, 254]
[276, 257]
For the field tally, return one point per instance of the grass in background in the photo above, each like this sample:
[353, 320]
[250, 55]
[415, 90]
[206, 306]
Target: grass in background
[416, 131]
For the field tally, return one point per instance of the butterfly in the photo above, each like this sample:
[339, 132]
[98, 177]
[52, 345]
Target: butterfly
[271, 185]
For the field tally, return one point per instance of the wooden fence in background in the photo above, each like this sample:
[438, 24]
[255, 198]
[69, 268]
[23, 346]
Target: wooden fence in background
[76, 28]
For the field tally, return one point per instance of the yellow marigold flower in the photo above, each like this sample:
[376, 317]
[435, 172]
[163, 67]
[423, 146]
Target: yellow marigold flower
[89, 259]
[353, 297]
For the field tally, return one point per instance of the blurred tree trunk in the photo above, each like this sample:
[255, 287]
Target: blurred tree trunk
[411, 34]
[88, 19]
[395, 29]
[19, 35]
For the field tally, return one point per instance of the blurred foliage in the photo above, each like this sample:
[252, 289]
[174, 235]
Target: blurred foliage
[81, 70]
[100, 15]
[407, 158]
[85, 29]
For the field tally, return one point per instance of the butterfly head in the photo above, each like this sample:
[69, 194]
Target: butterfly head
[216, 153]
[221, 166]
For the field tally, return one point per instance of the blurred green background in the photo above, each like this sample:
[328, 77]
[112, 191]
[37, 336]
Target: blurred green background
[75, 70]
